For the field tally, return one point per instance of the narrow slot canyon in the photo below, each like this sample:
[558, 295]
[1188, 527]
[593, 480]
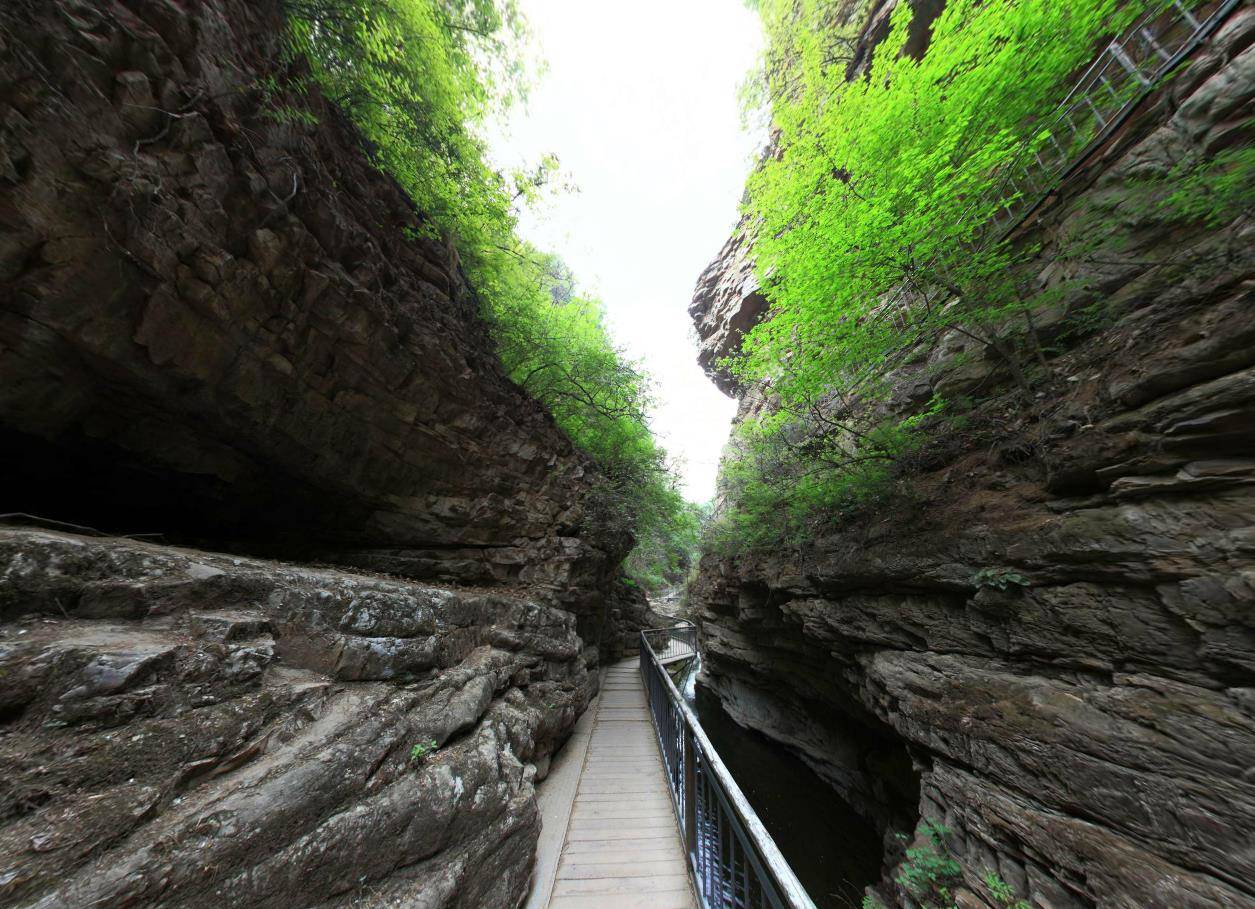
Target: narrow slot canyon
[401, 509]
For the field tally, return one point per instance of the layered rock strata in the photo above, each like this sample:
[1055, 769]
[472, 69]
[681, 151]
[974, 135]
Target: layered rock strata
[727, 303]
[188, 729]
[218, 321]
[221, 326]
[1046, 641]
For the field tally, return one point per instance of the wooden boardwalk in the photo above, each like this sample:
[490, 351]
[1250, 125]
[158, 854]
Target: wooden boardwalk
[622, 848]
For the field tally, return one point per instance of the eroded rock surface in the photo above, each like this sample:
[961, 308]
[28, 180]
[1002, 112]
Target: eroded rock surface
[1048, 645]
[221, 326]
[726, 304]
[183, 728]
[218, 321]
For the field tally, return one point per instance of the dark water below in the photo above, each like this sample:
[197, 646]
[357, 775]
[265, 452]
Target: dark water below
[833, 851]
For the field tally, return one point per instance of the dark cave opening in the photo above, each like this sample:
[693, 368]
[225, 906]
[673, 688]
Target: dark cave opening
[82, 482]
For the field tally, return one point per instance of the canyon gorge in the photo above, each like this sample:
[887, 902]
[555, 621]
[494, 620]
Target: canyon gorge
[302, 588]
[1044, 641]
[216, 331]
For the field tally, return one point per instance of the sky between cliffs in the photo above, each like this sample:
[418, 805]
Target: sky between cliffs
[639, 103]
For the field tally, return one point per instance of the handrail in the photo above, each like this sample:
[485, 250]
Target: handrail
[1093, 111]
[1098, 105]
[675, 642]
[732, 858]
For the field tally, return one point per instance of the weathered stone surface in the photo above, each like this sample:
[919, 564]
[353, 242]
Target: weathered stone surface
[726, 304]
[1049, 644]
[215, 321]
[182, 728]
[219, 322]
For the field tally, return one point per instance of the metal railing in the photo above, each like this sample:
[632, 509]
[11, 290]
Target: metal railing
[675, 643]
[733, 860]
[1130, 68]
[1127, 70]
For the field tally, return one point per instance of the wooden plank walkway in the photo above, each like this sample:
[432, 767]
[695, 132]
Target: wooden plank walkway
[622, 848]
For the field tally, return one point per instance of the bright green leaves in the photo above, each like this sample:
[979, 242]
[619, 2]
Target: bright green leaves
[873, 226]
[667, 551]
[418, 78]
[407, 73]
[884, 187]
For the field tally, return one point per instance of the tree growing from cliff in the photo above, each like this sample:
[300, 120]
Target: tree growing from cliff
[873, 221]
[667, 551]
[875, 213]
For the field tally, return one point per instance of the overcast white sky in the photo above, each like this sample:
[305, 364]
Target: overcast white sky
[639, 104]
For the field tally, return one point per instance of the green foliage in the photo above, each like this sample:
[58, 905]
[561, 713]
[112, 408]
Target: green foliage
[1210, 191]
[1001, 578]
[786, 474]
[667, 550]
[873, 231]
[418, 78]
[797, 33]
[275, 91]
[1003, 892]
[874, 218]
[779, 489]
[1195, 189]
[929, 873]
[555, 344]
[422, 750]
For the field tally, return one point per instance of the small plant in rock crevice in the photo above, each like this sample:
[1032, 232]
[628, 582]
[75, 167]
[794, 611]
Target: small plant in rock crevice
[930, 873]
[423, 750]
[1003, 892]
[1001, 578]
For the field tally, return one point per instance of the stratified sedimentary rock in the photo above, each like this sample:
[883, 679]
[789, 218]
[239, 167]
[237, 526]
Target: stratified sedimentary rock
[188, 729]
[219, 321]
[221, 325]
[1048, 644]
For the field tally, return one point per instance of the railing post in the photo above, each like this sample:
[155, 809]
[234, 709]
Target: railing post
[690, 794]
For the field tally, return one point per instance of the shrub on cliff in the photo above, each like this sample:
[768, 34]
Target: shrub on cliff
[875, 216]
[418, 78]
[666, 551]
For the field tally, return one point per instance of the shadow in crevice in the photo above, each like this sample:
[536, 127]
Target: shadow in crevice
[834, 852]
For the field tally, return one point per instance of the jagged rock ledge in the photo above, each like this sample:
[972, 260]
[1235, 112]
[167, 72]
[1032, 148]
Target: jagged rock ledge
[1048, 644]
[194, 729]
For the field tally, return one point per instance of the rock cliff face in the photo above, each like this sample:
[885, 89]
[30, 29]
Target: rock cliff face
[189, 729]
[221, 326]
[1048, 644]
[726, 304]
[214, 324]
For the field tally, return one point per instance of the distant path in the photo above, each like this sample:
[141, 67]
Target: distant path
[621, 848]
[667, 602]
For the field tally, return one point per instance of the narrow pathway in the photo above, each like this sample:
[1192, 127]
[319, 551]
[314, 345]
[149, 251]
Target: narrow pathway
[622, 847]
